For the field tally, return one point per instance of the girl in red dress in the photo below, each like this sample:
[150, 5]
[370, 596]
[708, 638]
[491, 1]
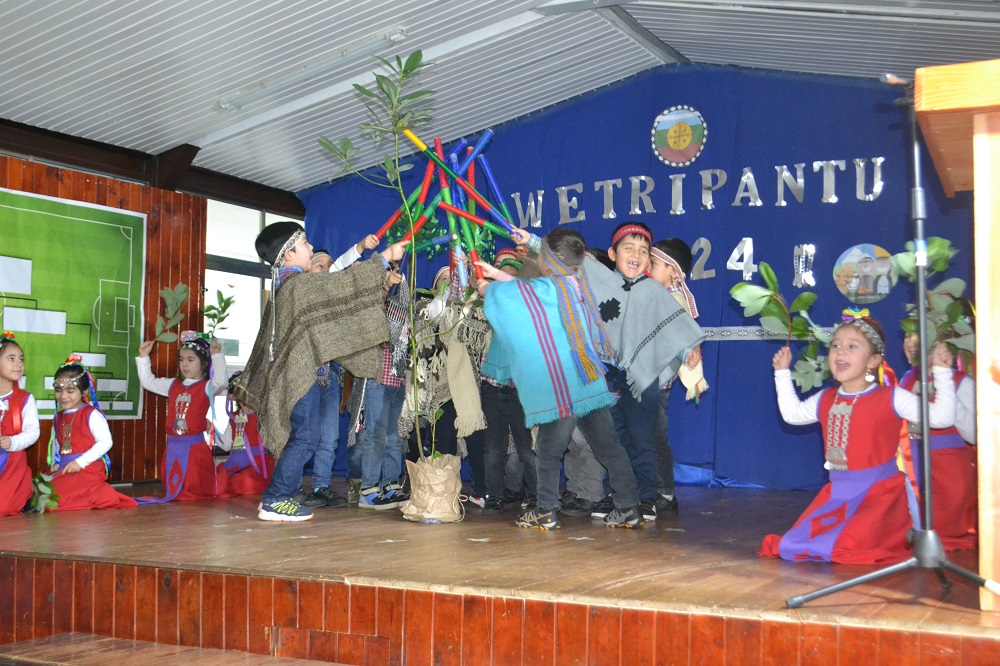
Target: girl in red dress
[78, 451]
[18, 428]
[861, 516]
[187, 465]
[249, 467]
[953, 458]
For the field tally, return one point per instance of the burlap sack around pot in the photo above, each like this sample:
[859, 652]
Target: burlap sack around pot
[435, 484]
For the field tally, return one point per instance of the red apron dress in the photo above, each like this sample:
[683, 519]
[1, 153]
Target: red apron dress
[249, 467]
[15, 475]
[861, 516]
[953, 478]
[187, 465]
[88, 488]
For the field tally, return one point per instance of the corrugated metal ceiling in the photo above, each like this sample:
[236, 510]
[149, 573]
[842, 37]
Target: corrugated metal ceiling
[150, 75]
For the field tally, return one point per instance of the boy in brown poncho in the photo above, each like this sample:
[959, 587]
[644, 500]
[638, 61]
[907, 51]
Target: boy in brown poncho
[295, 339]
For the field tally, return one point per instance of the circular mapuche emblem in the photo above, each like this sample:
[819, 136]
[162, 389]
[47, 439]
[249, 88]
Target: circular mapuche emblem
[679, 135]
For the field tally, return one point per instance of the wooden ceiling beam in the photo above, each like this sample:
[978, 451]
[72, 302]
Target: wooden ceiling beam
[169, 170]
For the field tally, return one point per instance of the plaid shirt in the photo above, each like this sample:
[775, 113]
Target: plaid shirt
[388, 379]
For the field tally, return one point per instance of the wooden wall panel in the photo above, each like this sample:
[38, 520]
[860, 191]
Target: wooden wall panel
[175, 252]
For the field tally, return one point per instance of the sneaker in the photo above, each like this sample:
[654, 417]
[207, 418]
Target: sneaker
[579, 507]
[395, 492]
[624, 518]
[330, 497]
[538, 519]
[478, 501]
[603, 508]
[492, 506]
[285, 511]
[353, 491]
[567, 498]
[308, 499]
[647, 509]
[372, 498]
[529, 503]
[666, 503]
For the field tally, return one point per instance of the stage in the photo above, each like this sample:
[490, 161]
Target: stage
[368, 587]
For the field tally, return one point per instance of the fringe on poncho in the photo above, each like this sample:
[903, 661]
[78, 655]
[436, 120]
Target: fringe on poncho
[321, 317]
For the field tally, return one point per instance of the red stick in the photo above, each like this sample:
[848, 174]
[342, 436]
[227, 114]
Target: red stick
[421, 198]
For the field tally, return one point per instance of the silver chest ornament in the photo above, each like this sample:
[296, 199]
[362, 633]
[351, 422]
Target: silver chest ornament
[838, 427]
[239, 442]
[181, 407]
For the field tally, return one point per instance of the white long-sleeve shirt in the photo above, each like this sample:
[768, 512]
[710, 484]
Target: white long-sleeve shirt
[29, 424]
[161, 385]
[345, 260]
[906, 405]
[102, 436]
[965, 409]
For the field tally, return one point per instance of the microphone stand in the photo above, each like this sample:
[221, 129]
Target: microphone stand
[928, 551]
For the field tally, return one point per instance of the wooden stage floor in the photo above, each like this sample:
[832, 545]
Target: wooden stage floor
[702, 561]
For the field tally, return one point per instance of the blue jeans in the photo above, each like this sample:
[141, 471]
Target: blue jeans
[329, 417]
[635, 421]
[599, 429]
[381, 446]
[301, 446]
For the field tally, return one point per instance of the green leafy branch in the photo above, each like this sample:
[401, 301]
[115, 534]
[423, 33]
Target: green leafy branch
[792, 321]
[946, 303]
[172, 316]
[218, 313]
[44, 495]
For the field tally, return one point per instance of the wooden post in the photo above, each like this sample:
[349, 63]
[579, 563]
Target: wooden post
[958, 107]
[986, 151]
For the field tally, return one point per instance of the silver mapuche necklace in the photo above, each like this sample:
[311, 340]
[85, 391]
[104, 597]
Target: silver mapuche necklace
[838, 428]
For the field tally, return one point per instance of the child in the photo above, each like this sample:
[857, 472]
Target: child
[654, 336]
[248, 469]
[187, 465]
[382, 401]
[328, 377]
[310, 320]
[505, 423]
[669, 264]
[548, 336]
[18, 428]
[953, 458]
[78, 452]
[861, 515]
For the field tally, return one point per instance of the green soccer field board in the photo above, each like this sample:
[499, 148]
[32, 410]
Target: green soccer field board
[72, 281]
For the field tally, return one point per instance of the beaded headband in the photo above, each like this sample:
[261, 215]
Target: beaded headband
[630, 230]
[859, 319]
[196, 342]
[679, 282]
[289, 244]
[443, 273]
[74, 360]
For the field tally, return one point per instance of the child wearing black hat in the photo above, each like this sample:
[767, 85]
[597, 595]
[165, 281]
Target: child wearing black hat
[280, 379]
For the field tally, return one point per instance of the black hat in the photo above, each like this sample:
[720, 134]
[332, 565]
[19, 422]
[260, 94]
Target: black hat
[271, 241]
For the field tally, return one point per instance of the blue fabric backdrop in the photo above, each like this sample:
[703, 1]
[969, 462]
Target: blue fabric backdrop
[754, 119]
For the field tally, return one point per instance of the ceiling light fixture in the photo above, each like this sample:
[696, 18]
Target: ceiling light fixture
[270, 87]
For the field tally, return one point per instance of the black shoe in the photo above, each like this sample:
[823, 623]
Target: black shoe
[567, 498]
[624, 518]
[529, 502]
[666, 503]
[511, 498]
[647, 510]
[330, 498]
[538, 519]
[603, 508]
[308, 499]
[579, 507]
[493, 506]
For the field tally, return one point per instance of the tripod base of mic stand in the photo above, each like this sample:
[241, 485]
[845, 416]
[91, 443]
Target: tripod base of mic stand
[928, 553]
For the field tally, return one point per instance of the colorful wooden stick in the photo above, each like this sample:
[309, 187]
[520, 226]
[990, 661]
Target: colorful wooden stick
[486, 224]
[471, 191]
[494, 188]
[399, 213]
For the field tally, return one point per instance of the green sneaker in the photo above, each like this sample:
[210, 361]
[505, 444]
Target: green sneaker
[285, 511]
